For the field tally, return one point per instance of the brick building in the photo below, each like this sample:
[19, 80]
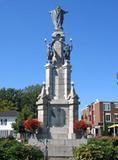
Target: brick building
[99, 114]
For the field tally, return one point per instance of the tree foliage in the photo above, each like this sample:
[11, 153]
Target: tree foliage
[6, 105]
[23, 115]
[16, 99]
[117, 78]
[30, 95]
[13, 150]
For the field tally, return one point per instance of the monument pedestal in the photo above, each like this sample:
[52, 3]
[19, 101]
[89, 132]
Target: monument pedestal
[58, 102]
[58, 149]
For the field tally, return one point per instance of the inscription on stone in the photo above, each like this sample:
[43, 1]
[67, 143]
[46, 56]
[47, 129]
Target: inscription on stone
[57, 117]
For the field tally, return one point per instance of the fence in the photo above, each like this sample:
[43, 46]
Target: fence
[6, 133]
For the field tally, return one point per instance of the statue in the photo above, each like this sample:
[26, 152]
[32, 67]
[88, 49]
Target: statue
[52, 55]
[58, 17]
[50, 52]
[67, 50]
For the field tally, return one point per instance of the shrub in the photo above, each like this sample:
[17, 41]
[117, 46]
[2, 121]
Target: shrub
[89, 152]
[13, 150]
[115, 150]
[96, 150]
[115, 142]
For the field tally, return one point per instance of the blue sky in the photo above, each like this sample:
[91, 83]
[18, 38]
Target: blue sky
[93, 26]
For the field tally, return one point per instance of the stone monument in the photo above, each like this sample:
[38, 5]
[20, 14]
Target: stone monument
[58, 102]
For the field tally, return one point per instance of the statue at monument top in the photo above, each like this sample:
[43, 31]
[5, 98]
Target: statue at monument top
[58, 17]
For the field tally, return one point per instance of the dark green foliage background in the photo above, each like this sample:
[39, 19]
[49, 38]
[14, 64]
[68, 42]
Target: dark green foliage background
[16, 99]
[13, 150]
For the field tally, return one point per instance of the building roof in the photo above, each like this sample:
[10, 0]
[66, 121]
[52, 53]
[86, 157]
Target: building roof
[12, 113]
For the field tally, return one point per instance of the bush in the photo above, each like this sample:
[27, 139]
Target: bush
[89, 152]
[115, 142]
[96, 150]
[115, 150]
[13, 150]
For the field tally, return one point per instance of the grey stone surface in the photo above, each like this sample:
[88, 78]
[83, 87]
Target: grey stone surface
[58, 148]
[58, 102]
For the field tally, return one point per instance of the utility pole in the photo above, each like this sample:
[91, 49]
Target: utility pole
[114, 129]
[103, 119]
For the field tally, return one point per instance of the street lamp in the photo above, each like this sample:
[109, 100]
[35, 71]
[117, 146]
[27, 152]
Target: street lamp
[46, 149]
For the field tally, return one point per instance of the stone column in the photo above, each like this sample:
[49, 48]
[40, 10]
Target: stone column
[42, 105]
[71, 134]
[42, 108]
[73, 111]
[49, 67]
[67, 78]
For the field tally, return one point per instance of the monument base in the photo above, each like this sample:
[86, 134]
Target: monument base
[72, 136]
[57, 149]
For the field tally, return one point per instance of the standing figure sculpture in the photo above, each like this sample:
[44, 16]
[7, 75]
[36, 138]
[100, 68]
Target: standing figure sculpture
[50, 52]
[58, 17]
[67, 51]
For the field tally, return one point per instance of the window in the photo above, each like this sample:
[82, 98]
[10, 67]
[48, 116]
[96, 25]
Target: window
[108, 117]
[106, 106]
[5, 122]
[1, 121]
[116, 105]
[116, 115]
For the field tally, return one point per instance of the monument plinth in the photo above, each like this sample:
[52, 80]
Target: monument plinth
[58, 101]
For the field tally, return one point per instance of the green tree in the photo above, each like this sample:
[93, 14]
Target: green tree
[13, 96]
[2, 94]
[30, 95]
[20, 97]
[19, 125]
[117, 78]
[6, 105]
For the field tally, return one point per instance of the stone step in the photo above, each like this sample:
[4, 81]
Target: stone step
[59, 136]
[67, 142]
[57, 151]
[58, 130]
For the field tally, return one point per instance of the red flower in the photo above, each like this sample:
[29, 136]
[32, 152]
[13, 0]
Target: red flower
[76, 124]
[80, 124]
[31, 124]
